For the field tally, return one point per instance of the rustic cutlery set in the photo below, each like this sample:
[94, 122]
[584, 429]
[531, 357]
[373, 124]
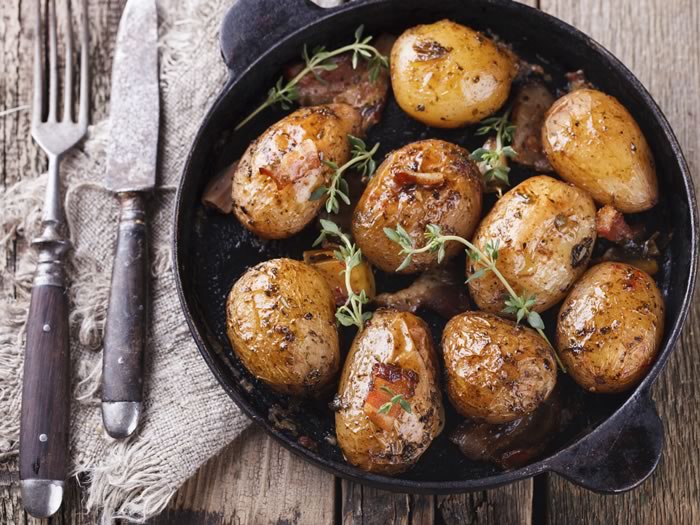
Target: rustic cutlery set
[130, 174]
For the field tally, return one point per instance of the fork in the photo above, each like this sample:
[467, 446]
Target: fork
[45, 416]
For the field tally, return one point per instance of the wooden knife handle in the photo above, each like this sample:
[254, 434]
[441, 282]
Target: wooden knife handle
[125, 327]
[45, 417]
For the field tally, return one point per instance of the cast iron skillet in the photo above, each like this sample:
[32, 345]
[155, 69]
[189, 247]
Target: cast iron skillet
[614, 442]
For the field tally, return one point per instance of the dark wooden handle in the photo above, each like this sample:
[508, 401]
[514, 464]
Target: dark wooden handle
[125, 327]
[45, 417]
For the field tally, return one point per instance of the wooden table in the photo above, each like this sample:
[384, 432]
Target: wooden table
[254, 480]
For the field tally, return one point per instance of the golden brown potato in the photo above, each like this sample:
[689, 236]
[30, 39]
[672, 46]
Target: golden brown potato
[610, 327]
[278, 173]
[496, 371]
[592, 141]
[422, 183]
[333, 270]
[393, 355]
[447, 75]
[280, 319]
[546, 232]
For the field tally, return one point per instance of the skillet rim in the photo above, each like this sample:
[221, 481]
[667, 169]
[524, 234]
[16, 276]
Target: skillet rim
[639, 395]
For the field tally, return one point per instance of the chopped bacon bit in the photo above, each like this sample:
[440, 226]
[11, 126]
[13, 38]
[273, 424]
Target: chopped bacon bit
[407, 177]
[217, 194]
[611, 225]
[388, 377]
[294, 165]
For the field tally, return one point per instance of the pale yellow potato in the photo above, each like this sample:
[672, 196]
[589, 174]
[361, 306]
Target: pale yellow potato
[496, 371]
[546, 232]
[402, 341]
[592, 141]
[450, 196]
[447, 75]
[278, 172]
[610, 327]
[333, 270]
[280, 319]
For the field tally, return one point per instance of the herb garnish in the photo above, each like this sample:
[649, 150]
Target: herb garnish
[349, 314]
[395, 398]
[361, 159]
[285, 94]
[495, 159]
[520, 305]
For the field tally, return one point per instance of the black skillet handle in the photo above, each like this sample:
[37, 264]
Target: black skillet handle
[618, 455]
[250, 26]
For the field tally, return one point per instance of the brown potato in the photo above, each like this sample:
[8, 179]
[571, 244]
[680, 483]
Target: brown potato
[592, 141]
[422, 183]
[333, 270]
[546, 232]
[496, 371]
[447, 75]
[610, 327]
[392, 355]
[280, 319]
[278, 173]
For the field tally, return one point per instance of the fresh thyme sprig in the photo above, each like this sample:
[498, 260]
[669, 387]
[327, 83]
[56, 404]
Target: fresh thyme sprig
[318, 61]
[360, 159]
[395, 398]
[495, 159]
[486, 259]
[349, 314]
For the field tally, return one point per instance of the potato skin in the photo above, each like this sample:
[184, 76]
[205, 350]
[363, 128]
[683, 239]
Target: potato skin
[546, 232]
[496, 371]
[280, 170]
[398, 338]
[447, 75]
[455, 204]
[592, 141]
[610, 327]
[280, 319]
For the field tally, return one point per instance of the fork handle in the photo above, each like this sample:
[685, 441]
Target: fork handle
[45, 413]
[125, 328]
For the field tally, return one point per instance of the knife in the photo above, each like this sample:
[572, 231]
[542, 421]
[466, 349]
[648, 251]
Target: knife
[131, 175]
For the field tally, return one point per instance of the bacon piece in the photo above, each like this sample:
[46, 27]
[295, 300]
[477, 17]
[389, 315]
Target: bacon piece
[347, 85]
[441, 290]
[577, 80]
[611, 225]
[532, 101]
[217, 194]
[407, 177]
[385, 378]
[294, 165]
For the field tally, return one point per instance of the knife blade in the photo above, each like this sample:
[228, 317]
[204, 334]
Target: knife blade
[131, 174]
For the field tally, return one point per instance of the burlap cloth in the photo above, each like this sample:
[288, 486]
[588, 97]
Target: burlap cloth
[187, 416]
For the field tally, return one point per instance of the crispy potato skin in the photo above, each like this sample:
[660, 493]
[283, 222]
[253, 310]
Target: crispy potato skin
[546, 232]
[402, 339]
[447, 75]
[496, 371]
[280, 319]
[592, 141]
[280, 170]
[610, 327]
[455, 204]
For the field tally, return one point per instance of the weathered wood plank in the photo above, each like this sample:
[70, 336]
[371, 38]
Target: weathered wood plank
[254, 480]
[508, 505]
[655, 39]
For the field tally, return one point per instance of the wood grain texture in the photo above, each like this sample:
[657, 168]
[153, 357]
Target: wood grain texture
[254, 480]
[653, 38]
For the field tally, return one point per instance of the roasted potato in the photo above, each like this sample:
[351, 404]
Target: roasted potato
[546, 231]
[447, 75]
[610, 327]
[333, 270]
[280, 319]
[592, 141]
[496, 371]
[279, 171]
[425, 182]
[392, 356]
